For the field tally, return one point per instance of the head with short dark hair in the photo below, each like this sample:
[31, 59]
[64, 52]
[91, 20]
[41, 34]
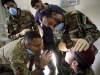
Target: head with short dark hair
[5, 1]
[7, 4]
[33, 2]
[33, 41]
[47, 13]
[29, 36]
[50, 18]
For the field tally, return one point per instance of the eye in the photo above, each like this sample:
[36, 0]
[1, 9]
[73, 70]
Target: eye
[12, 5]
[49, 23]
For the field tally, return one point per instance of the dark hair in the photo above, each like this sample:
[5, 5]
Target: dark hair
[29, 36]
[5, 1]
[82, 64]
[47, 13]
[33, 2]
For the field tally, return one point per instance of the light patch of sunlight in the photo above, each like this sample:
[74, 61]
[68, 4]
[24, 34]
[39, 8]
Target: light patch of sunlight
[46, 71]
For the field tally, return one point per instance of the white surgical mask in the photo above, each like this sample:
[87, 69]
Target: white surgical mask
[13, 11]
[30, 52]
[60, 26]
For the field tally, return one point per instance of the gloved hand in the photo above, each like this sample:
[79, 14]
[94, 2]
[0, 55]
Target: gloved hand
[24, 31]
[81, 45]
[62, 47]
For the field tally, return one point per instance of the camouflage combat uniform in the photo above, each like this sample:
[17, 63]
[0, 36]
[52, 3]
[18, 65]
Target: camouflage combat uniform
[14, 59]
[80, 26]
[14, 25]
[89, 72]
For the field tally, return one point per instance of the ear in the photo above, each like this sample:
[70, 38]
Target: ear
[54, 14]
[75, 63]
[27, 45]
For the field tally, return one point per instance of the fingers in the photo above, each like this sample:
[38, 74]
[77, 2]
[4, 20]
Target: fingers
[87, 46]
[81, 45]
[77, 45]
[47, 54]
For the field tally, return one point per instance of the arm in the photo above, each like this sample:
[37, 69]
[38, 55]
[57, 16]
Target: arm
[11, 33]
[91, 31]
[35, 25]
[88, 29]
[37, 15]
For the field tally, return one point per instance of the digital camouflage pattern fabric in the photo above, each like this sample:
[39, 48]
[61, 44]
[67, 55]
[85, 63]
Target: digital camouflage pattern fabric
[15, 25]
[87, 72]
[14, 59]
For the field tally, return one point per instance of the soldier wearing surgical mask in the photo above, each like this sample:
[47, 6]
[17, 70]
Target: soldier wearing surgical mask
[19, 21]
[71, 26]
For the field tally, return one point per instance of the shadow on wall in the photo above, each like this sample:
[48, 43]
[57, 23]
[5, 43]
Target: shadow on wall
[96, 65]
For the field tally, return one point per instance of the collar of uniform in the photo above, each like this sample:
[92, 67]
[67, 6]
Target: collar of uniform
[21, 15]
[78, 73]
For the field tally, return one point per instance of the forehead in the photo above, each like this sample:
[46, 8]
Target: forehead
[8, 4]
[71, 51]
[37, 40]
[45, 20]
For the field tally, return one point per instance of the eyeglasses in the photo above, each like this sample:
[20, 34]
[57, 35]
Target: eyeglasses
[36, 45]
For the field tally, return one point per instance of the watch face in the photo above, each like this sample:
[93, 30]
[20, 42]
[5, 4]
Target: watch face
[40, 68]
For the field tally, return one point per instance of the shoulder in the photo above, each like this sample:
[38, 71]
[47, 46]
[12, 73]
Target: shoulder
[53, 6]
[27, 12]
[75, 12]
[18, 48]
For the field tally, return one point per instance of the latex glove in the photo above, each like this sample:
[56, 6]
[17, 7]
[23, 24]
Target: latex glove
[24, 31]
[62, 47]
[81, 45]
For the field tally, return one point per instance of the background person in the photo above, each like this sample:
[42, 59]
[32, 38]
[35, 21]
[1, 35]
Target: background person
[18, 20]
[47, 32]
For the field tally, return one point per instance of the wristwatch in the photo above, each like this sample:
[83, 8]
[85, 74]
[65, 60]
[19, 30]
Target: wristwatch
[40, 68]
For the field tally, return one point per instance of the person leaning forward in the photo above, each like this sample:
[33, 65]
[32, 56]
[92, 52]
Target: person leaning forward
[15, 55]
[18, 20]
[73, 24]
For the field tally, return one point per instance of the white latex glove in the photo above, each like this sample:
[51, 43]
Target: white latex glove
[24, 31]
[62, 47]
[81, 45]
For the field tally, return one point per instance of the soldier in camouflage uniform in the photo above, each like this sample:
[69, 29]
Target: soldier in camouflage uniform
[18, 20]
[15, 55]
[75, 25]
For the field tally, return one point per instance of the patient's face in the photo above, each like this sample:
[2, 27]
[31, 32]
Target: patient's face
[69, 56]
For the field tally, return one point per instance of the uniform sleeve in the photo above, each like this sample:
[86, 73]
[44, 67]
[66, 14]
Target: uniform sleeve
[35, 25]
[37, 18]
[89, 28]
[57, 9]
[11, 34]
[18, 64]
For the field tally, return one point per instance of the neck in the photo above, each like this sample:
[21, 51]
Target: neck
[45, 6]
[61, 17]
[75, 69]
[18, 13]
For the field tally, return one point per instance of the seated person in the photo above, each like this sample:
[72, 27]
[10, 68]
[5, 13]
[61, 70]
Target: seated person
[80, 62]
